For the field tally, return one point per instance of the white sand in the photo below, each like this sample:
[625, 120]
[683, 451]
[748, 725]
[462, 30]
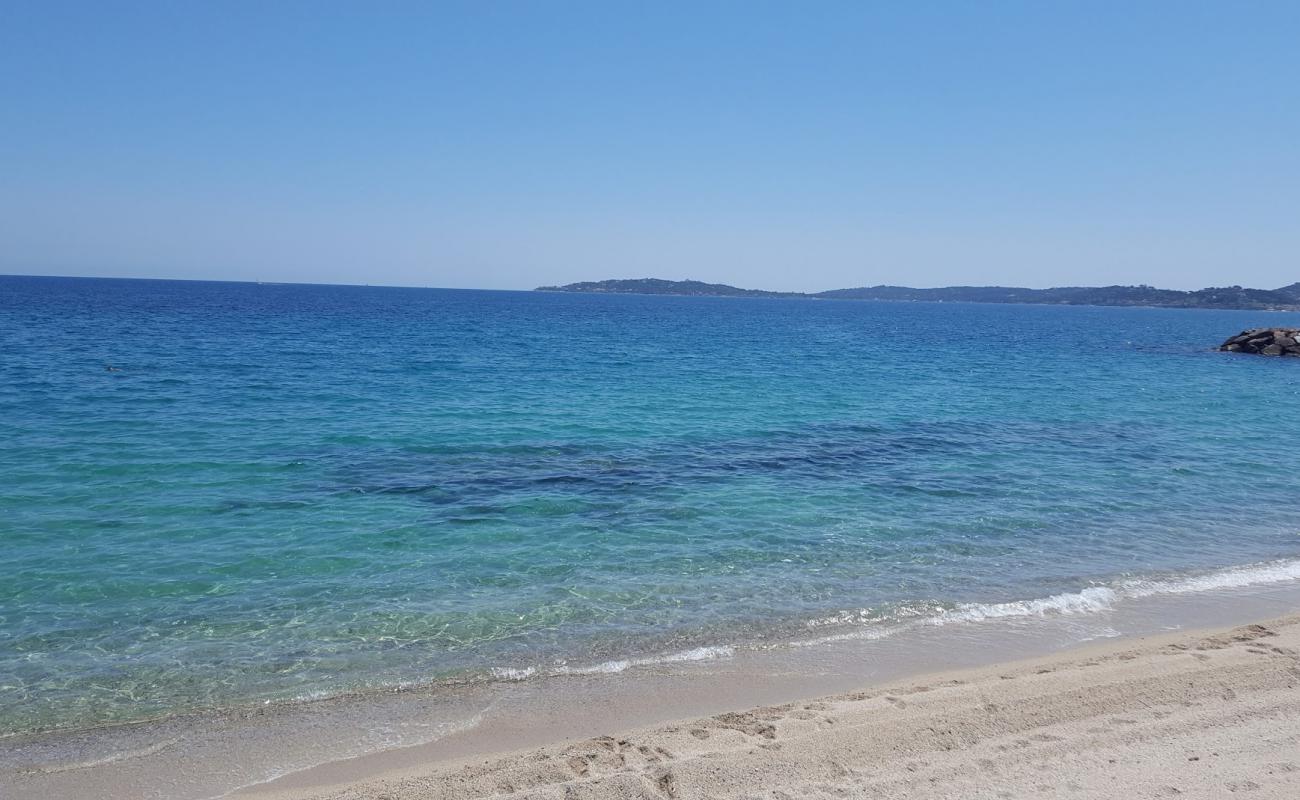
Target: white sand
[1206, 715]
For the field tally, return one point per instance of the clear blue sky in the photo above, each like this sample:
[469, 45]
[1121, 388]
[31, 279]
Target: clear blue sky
[774, 145]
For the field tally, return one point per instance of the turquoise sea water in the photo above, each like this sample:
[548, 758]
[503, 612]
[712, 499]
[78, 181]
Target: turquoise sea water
[293, 491]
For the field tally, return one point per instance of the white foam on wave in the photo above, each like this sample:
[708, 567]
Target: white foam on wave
[513, 674]
[698, 654]
[869, 625]
[609, 667]
[1104, 598]
[1090, 600]
[618, 665]
[876, 631]
[603, 668]
[1232, 578]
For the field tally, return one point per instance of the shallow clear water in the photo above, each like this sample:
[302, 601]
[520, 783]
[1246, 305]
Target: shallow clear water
[290, 491]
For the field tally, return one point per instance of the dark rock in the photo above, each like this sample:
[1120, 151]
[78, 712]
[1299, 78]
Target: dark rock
[1265, 342]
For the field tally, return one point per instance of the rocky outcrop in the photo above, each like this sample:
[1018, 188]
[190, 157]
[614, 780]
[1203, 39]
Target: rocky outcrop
[1265, 342]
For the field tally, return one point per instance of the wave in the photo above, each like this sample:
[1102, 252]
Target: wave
[708, 653]
[140, 752]
[1105, 597]
[872, 624]
[1232, 578]
[1090, 600]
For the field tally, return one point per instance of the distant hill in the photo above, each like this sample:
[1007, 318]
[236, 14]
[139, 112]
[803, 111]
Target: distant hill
[659, 286]
[1292, 291]
[1285, 298]
[1223, 297]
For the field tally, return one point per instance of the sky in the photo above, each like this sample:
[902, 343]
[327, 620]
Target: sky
[787, 146]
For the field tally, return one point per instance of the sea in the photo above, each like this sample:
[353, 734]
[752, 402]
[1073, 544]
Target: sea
[224, 495]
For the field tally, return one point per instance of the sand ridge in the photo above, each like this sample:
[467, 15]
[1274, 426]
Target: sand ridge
[1207, 715]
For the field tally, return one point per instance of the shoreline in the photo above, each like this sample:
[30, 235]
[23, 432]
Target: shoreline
[296, 750]
[1192, 714]
[864, 624]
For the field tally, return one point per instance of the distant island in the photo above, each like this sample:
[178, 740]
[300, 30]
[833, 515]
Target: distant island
[660, 286]
[1287, 298]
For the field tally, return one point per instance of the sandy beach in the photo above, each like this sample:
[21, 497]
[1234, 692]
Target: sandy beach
[1206, 714]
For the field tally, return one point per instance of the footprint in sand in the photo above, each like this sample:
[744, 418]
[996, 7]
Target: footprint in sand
[1243, 786]
[666, 783]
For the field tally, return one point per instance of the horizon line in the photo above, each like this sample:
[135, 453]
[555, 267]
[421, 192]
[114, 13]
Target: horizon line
[603, 280]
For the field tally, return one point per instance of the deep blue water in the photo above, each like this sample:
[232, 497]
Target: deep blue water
[285, 491]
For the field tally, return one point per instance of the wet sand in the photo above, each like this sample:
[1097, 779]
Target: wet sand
[1208, 714]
